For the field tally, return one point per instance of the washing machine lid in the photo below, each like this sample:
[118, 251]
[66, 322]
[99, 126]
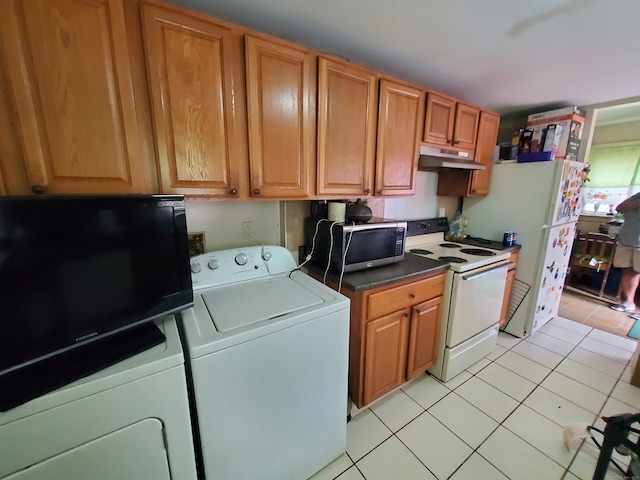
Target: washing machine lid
[250, 302]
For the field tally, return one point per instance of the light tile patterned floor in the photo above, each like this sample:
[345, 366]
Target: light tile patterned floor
[503, 418]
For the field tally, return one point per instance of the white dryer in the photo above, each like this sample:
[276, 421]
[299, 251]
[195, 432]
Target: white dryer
[268, 351]
[128, 421]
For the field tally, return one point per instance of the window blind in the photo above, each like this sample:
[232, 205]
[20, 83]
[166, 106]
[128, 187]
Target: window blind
[614, 166]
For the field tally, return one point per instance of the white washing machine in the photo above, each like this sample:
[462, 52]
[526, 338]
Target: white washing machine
[268, 349]
[128, 421]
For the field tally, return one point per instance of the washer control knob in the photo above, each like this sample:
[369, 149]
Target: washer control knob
[196, 267]
[241, 259]
[266, 256]
[213, 264]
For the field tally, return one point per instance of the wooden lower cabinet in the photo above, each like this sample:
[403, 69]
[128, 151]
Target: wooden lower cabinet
[511, 276]
[386, 354]
[394, 333]
[423, 336]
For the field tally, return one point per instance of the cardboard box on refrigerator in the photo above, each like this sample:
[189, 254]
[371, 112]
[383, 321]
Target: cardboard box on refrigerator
[569, 128]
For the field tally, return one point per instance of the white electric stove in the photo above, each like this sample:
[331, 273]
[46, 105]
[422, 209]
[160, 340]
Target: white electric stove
[474, 290]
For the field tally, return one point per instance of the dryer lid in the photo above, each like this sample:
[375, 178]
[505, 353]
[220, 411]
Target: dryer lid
[251, 302]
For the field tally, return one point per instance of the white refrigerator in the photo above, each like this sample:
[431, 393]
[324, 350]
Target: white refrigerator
[541, 202]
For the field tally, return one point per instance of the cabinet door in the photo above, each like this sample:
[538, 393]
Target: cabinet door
[487, 137]
[466, 128]
[70, 74]
[511, 275]
[347, 114]
[385, 354]
[191, 80]
[399, 115]
[438, 124]
[280, 101]
[424, 336]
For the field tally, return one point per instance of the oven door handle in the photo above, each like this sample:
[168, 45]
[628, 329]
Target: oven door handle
[485, 272]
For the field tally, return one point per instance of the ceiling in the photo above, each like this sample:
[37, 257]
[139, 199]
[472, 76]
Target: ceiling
[502, 55]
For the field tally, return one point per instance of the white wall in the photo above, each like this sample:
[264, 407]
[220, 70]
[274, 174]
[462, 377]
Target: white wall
[221, 222]
[424, 204]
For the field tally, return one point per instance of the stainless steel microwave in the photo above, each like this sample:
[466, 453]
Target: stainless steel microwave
[355, 246]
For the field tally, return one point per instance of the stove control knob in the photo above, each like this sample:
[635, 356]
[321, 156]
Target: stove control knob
[241, 259]
[196, 267]
[213, 264]
[266, 256]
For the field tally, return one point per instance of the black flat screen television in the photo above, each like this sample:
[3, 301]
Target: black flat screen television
[74, 270]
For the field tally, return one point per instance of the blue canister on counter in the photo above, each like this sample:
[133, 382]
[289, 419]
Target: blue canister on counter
[509, 238]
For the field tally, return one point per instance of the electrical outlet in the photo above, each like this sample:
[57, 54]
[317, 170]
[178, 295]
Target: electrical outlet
[247, 230]
[196, 243]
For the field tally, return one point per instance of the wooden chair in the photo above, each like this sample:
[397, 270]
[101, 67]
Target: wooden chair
[593, 253]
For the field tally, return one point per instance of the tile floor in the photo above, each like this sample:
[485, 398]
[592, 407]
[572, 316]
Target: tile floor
[594, 313]
[502, 418]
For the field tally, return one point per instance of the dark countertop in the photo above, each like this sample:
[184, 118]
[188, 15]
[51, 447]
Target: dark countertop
[496, 245]
[412, 266]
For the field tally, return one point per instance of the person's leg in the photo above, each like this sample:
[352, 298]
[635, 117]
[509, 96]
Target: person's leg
[629, 282]
[625, 258]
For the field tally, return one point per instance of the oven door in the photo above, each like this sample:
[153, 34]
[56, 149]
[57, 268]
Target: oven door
[476, 302]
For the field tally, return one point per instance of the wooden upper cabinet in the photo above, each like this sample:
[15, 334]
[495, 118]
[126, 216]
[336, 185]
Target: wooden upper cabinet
[439, 120]
[466, 127]
[69, 70]
[281, 113]
[191, 76]
[450, 123]
[399, 115]
[487, 137]
[347, 115]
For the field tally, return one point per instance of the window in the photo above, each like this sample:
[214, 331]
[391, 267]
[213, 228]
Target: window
[614, 176]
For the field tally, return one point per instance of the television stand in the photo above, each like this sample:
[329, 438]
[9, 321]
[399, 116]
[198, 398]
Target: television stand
[29, 382]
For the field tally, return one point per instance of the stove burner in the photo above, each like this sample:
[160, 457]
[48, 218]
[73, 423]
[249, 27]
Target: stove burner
[450, 245]
[481, 252]
[453, 259]
[420, 251]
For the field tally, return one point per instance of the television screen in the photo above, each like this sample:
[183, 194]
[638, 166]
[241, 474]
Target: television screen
[75, 269]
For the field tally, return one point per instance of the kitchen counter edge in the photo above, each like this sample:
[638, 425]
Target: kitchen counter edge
[413, 266]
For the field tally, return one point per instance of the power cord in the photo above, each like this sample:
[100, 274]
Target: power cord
[313, 244]
[344, 258]
[324, 279]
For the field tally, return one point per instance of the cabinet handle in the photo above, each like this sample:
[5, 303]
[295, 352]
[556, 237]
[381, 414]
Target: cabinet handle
[412, 295]
[379, 192]
[37, 189]
[367, 191]
[405, 315]
[450, 141]
[256, 191]
[233, 191]
[455, 142]
[418, 311]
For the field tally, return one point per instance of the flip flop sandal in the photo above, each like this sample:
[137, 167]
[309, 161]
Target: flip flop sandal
[621, 307]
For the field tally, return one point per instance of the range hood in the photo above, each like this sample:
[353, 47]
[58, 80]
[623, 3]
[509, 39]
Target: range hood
[438, 158]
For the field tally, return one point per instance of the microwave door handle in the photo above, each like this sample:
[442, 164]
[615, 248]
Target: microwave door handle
[476, 275]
